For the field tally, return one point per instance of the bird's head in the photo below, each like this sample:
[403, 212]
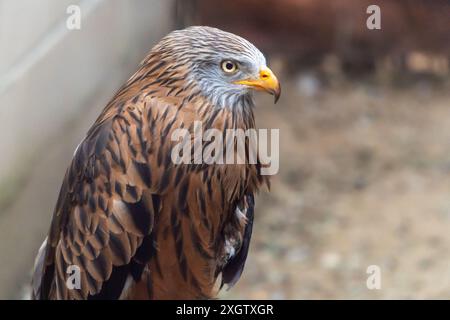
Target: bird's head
[225, 67]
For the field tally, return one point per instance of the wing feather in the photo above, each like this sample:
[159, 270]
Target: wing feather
[234, 267]
[104, 212]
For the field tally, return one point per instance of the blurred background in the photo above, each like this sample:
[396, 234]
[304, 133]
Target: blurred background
[364, 123]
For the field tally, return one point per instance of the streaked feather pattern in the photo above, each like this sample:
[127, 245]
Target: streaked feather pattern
[137, 225]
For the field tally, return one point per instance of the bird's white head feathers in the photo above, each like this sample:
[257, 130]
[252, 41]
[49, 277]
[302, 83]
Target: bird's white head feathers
[225, 67]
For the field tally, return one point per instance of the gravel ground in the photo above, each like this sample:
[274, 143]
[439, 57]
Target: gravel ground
[364, 180]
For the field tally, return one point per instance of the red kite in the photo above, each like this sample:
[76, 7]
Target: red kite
[138, 226]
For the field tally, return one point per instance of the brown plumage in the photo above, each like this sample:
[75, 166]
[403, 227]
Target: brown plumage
[137, 225]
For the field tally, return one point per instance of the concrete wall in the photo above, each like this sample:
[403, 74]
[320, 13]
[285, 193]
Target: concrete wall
[53, 83]
[48, 72]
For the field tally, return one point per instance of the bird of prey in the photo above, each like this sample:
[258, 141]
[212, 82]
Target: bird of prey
[138, 226]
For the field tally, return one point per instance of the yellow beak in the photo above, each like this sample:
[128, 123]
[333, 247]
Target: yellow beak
[266, 81]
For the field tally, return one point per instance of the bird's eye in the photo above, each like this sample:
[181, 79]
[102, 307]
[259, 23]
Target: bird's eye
[229, 66]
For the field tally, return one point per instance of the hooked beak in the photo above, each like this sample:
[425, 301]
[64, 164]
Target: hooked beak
[266, 81]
